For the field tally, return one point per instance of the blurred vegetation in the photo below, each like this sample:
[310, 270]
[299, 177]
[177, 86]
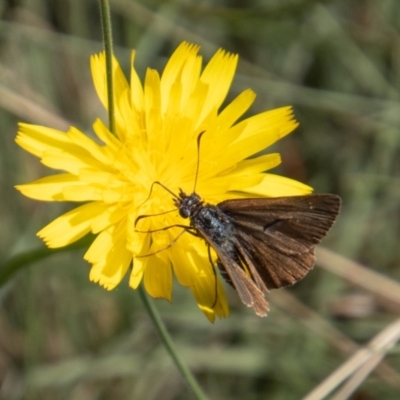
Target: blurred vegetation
[338, 64]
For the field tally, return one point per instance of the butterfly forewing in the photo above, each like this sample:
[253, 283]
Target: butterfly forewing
[305, 219]
[279, 234]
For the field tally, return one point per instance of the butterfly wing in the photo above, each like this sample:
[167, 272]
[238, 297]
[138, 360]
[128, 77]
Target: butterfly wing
[249, 292]
[276, 236]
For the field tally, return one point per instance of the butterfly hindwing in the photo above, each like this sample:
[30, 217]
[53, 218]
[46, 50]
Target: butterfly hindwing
[250, 294]
[276, 269]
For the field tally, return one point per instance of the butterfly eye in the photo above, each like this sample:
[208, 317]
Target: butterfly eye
[184, 212]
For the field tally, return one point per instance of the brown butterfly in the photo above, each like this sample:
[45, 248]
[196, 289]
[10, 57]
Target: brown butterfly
[262, 243]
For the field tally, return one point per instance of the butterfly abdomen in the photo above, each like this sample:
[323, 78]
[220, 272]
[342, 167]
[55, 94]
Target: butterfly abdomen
[224, 273]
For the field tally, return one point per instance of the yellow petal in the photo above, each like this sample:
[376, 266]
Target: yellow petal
[276, 186]
[158, 277]
[190, 80]
[109, 256]
[98, 65]
[71, 226]
[110, 216]
[209, 294]
[81, 193]
[257, 164]
[229, 183]
[261, 131]
[106, 136]
[100, 246]
[218, 76]
[279, 121]
[72, 162]
[152, 103]
[96, 151]
[58, 150]
[247, 173]
[136, 87]
[184, 257]
[219, 309]
[138, 269]
[49, 188]
[138, 242]
[37, 139]
[183, 58]
[226, 118]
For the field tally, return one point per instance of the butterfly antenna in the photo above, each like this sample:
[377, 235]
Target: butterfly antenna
[198, 160]
[164, 187]
[148, 197]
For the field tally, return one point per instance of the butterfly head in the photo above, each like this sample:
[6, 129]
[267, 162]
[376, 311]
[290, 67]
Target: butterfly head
[187, 204]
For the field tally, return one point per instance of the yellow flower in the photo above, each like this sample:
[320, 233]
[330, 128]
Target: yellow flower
[157, 126]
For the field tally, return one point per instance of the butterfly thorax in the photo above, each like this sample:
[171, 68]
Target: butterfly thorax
[218, 226]
[205, 217]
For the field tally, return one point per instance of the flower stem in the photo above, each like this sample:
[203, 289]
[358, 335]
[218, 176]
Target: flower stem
[169, 345]
[24, 260]
[108, 48]
[166, 339]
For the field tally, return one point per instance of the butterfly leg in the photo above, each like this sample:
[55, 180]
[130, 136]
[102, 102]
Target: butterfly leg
[215, 276]
[165, 248]
[151, 215]
[166, 228]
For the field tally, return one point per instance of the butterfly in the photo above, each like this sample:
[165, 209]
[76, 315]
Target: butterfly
[261, 243]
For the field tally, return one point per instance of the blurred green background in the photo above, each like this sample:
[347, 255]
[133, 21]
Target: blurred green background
[338, 64]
